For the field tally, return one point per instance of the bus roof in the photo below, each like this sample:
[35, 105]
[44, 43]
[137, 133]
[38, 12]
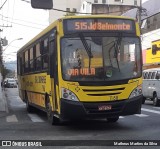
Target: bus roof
[52, 25]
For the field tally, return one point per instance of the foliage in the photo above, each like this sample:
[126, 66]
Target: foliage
[6, 72]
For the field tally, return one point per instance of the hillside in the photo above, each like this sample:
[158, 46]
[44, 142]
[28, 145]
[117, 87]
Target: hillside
[12, 65]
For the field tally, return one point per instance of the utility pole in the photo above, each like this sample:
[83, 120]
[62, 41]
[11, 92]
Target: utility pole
[140, 12]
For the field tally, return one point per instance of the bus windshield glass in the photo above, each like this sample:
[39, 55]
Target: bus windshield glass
[100, 58]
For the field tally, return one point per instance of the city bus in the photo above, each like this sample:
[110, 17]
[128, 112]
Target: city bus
[83, 67]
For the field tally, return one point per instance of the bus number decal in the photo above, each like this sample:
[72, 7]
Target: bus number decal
[28, 83]
[40, 79]
[113, 98]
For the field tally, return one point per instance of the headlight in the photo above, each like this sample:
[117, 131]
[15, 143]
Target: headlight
[136, 92]
[69, 95]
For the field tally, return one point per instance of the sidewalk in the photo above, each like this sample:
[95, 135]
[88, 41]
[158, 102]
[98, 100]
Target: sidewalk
[3, 102]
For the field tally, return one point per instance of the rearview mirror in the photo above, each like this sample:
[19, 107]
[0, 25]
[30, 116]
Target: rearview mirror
[42, 4]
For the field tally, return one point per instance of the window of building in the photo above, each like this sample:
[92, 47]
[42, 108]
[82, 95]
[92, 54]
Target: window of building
[95, 1]
[148, 23]
[155, 18]
[135, 2]
[104, 1]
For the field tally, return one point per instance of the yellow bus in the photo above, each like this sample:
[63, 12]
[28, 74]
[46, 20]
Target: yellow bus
[83, 67]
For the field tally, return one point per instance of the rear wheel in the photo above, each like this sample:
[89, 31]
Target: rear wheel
[29, 108]
[112, 119]
[155, 100]
[51, 118]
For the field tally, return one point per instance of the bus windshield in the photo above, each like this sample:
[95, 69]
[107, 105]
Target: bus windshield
[109, 58]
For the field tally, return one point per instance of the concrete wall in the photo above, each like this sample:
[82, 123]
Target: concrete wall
[113, 2]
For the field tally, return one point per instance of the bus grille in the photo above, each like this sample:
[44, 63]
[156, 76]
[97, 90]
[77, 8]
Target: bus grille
[103, 92]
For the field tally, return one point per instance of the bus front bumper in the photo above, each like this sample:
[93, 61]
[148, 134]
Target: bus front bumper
[84, 110]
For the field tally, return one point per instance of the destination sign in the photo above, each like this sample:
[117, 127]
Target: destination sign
[98, 24]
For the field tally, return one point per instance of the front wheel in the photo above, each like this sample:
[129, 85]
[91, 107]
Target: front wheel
[51, 118]
[155, 100]
[112, 119]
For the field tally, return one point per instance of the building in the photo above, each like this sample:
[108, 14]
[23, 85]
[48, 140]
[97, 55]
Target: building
[151, 33]
[150, 30]
[111, 7]
[61, 6]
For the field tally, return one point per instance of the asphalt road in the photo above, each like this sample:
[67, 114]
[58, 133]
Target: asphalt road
[19, 125]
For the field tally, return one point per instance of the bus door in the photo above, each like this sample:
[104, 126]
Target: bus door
[53, 68]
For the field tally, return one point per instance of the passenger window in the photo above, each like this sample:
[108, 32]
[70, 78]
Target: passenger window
[31, 60]
[146, 75]
[149, 75]
[153, 75]
[45, 51]
[158, 75]
[38, 57]
[26, 61]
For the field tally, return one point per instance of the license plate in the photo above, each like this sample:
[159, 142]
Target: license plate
[104, 107]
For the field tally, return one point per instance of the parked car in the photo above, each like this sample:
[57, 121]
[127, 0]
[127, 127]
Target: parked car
[10, 83]
[151, 85]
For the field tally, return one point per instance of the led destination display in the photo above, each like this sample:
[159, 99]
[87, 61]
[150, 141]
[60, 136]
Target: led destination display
[89, 25]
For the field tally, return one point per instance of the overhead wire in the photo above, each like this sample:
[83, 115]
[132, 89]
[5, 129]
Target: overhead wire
[23, 25]
[3, 4]
[23, 20]
[10, 30]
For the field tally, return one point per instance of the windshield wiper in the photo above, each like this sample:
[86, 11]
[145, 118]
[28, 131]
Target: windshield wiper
[86, 46]
[117, 45]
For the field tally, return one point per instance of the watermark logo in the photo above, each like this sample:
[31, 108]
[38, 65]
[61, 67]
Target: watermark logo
[6, 143]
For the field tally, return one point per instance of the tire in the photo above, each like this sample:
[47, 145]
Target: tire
[29, 108]
[112, 119]
[155, 100]
[143, 100]
[51, 118]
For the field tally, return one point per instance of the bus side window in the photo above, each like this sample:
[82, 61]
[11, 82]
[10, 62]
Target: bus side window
[45, 51]
[26, 62]
[31, 60]
[19, 62]
[38, 57]
[53, 55]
